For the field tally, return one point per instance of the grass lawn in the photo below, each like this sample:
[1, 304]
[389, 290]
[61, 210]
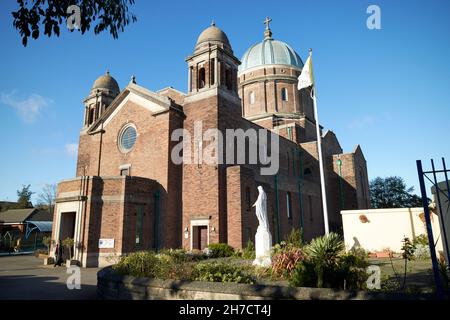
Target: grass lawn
[419, 275]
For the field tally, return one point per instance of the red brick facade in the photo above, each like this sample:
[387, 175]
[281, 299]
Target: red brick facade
[113, 188]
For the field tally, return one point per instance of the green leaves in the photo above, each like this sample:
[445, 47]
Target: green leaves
[222, 272]
[104, 15]
[325, 250]
[24, 197]
[220, 250]
[408, 249]
[392, 192]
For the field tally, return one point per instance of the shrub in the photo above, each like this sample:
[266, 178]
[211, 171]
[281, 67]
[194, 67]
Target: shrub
[350, 271]
[69, 243]
[323, 252]
[283, 263]
[249, 251]
[325, 264]
[421, 239]
[175, 254]
[422, 252]
[347, 272]
[155, 265]
[295, 238]
[325, 249]
[222, 272]
[180, 255]
[138, 264]
[303, 275]
[47, 241]
[444, 270]
[220, 250]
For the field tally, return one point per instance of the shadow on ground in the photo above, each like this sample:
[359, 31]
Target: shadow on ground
[31, 287]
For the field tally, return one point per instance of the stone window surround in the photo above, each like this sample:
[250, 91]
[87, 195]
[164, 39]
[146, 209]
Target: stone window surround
[119, 137]
[125, 167]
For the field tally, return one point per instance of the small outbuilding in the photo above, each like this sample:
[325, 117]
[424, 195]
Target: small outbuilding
[23, 229]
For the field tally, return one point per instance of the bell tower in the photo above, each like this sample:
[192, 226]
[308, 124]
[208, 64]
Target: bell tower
[212, 103]
[103, 92]
[213, 64]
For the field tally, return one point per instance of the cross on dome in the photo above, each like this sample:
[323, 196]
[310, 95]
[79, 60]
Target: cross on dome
[267, 22]
[268, 32]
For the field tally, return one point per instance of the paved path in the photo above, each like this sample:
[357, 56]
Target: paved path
[25, 277]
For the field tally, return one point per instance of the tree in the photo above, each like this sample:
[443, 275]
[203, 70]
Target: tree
[69, 243]
[392, 192]
[47, 196]
[47, 241]
[24, 197]
[408, 249]
[33, 15]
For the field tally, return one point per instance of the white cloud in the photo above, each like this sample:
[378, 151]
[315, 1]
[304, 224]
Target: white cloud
[71, 149]
[28, 109]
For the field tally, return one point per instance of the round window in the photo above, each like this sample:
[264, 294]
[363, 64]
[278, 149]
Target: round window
[127, 138]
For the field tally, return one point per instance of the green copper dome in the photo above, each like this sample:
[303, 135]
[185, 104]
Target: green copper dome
[270, 52]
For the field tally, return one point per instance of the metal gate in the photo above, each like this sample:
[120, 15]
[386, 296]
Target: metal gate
[441, 192]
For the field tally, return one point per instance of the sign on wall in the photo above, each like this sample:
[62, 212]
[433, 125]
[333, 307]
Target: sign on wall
[105, 243]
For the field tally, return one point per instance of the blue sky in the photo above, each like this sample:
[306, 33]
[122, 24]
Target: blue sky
[388, 89]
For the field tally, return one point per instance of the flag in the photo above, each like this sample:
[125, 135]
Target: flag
[306, 78]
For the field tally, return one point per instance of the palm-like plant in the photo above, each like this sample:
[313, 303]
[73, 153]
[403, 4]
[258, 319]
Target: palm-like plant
[69, 243]
[324, 252]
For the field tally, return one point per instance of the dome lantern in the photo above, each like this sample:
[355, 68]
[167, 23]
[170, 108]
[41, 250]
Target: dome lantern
[270, 52]
[213, 35]
[106, 82]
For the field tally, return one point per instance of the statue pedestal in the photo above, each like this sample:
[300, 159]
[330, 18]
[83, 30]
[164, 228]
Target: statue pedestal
[263, 246]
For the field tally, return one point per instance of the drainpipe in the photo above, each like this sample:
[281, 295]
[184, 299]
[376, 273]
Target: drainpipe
[83, 199]
[299, 185]
[277, 214]
[100, 150]
[341, 191]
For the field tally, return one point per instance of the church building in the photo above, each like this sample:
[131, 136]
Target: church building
[129, 194]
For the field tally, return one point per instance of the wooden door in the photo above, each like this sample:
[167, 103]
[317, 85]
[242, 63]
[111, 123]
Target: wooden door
[203, 237]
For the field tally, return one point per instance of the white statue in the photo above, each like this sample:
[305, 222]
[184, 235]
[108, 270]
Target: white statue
[263, 238]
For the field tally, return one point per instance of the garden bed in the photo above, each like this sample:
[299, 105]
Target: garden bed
[321, 269]
[112, 285]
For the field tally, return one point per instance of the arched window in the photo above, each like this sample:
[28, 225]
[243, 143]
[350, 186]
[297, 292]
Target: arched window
[91, 116]
[228, 79]
[284, 94]
[201, 78]
[212, 67]
[252, 97]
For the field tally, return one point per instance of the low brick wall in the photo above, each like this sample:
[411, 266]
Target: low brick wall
[111, 285]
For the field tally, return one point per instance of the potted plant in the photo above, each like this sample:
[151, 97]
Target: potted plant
[47, 242]
[69, 243]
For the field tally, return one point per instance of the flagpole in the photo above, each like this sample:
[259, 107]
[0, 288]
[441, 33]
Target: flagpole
[306, 80]
[322, 175]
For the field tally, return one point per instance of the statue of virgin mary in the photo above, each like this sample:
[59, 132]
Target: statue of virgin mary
[263, 238]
